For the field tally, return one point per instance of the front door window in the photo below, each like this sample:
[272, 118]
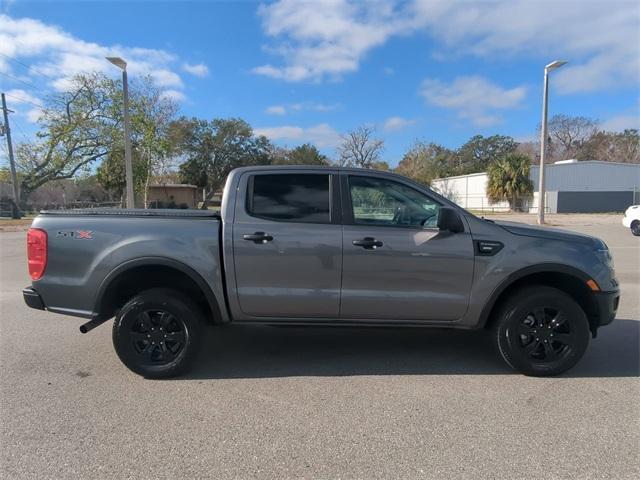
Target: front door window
[387, 203]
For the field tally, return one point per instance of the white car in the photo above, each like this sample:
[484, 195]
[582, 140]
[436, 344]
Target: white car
[631, 219]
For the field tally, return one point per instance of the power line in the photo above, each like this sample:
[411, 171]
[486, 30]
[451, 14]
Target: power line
[30, 85]
[24, 135]
[38, 105]
[29, 67]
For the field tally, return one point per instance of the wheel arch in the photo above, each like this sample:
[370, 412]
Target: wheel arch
[134, 276]
[563, 277]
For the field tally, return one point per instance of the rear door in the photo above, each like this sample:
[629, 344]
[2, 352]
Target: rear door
[396, 263]
[287, 244]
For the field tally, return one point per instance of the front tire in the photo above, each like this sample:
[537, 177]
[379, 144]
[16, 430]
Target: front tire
[156, 334]
[541, 331]
[635, 228]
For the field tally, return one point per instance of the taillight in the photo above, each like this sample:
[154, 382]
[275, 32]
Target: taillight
[36, 252]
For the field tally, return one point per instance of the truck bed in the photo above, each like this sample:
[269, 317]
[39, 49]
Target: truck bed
[134, 212]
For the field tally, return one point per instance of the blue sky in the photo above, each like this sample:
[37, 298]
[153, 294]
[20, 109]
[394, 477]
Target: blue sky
[309, 71]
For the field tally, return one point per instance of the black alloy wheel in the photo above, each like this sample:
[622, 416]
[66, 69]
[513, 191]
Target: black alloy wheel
[158, 337]
[541, 330]
[545, 335]
[157, 333]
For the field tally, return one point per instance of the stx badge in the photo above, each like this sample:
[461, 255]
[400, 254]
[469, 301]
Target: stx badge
[77, 234]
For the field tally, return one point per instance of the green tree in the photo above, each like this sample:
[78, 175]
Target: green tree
[76, 130]
[612, 147]
[380, 165]
[305, 154]
[426, 161]
[213, 148]
[111, 173]
[508, 179]
[479, 152]
[151, 142]
[84, 125]
[152, 115]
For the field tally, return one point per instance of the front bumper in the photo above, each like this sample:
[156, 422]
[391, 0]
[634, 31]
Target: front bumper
[607, 306]
[32, 298]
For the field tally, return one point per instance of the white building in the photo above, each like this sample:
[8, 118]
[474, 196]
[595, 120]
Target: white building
[571, 187]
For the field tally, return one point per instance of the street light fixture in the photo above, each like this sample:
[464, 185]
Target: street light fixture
[120, 63]
[543, 136]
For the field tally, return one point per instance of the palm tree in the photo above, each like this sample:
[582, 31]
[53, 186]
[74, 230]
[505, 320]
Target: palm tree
[509, 180]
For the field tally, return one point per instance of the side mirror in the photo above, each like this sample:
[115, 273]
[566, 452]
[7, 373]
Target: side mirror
[449, 220]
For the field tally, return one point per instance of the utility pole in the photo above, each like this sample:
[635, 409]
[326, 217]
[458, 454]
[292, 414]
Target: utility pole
[15, 213]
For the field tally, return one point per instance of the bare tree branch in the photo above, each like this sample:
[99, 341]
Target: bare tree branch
[359, 148]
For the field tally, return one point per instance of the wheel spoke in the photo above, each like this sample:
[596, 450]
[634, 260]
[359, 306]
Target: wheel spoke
[559, 320]
[549, 352]
[167, 354]
[165, 319]
[538, 314]
[148, 352]
[524, 329]
[177, 337]
[532, 347]
[139, 336]
[145, 320]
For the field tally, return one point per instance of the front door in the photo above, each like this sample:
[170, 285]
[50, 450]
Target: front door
[396, 263]
[287, 245]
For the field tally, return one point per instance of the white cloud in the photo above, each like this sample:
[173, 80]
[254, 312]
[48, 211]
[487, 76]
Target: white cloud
[301, 106]
[175, 95]
[56, 55]
[166, 78]
[600, 39]
[276, 110]
[321, 135]
[474, 98]
[393, 124]
[33, 115]
[19, 96]
[24, 104]
[197, 69]
[621, 123]
[327, 38]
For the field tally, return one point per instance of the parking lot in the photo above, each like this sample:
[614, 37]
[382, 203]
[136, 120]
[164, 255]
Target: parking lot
[266, 402]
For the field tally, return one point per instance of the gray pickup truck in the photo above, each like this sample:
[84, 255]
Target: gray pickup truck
[320, 246]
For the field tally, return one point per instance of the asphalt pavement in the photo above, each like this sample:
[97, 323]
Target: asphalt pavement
[266, 402]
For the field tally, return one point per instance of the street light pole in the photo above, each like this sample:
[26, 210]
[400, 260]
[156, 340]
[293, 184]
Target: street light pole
[543, 137]
[120, 63]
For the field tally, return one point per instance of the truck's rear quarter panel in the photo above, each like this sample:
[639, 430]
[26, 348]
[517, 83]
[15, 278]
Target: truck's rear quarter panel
[83, 250]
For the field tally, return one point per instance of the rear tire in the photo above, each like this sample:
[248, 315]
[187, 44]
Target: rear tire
[635, 228]
[157, 333]
[541, 331]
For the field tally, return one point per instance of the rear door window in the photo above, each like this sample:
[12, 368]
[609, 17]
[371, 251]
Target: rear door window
[302, 198]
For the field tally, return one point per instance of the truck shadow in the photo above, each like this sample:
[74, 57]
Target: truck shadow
[263, 352]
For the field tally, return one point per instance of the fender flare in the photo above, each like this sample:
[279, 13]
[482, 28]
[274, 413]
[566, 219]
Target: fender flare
[524, 272]
[115, 273]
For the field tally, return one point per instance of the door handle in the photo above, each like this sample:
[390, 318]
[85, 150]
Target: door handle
[368, 243]
[258, 237]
